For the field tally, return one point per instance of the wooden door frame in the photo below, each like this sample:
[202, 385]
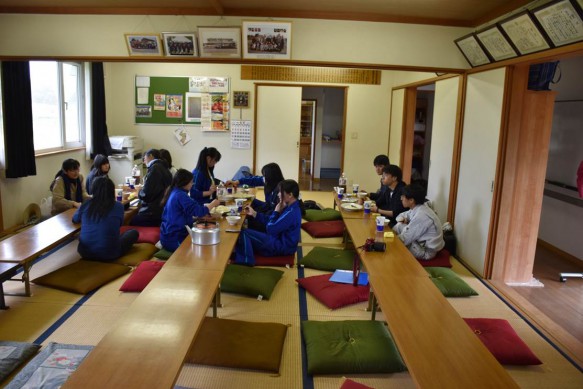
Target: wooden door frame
[256, 105]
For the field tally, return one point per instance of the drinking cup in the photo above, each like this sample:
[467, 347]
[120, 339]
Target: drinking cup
[118, 194]
[367, 206]
[340, 193]
[233, 210]
[239, 203]
[380, 223]
[355, 188]
[132, 183]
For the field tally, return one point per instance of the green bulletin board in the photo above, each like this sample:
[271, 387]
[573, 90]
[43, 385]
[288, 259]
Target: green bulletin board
[200, 101]
[165, 86]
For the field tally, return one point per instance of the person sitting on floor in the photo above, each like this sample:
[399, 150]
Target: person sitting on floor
[101, 219]
[165, 155]
[282, 231]
[419, 228]
[100, 168]
[157, 179]
[379, 162]
[179, 210]
[205, 185]
[67, 187]
[260, 211]
[390, 204]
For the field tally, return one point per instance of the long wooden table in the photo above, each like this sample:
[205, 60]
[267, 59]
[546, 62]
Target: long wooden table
[24, 247]
[439, 348]
[148, 346]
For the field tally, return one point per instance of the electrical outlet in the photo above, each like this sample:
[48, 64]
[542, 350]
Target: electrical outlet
[354, 135]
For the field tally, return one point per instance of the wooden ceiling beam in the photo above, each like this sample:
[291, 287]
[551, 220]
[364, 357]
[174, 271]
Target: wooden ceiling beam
[218, 7]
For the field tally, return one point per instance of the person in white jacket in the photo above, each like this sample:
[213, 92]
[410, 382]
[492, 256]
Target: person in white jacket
[419, 228]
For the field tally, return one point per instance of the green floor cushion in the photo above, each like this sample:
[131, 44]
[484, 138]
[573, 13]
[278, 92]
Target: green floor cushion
[238, 344]
[332, 294]
[82, 276]
[449, 283]
[138, 253]
[141, 276]
[51, 367]
[350, 347]
[252, 281]
[503, 342]
[328, 259]
[14, 354]
[163, 254]
[318, 215]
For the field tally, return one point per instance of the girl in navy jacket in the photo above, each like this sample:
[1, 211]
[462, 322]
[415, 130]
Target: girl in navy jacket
[204, 187]
[179, 210]
[101, 218]
[262, 210]
[283, 229]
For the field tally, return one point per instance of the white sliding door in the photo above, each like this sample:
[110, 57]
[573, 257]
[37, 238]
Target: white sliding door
[442, 138]
[481, 132]
[397, 105]
[278, 128]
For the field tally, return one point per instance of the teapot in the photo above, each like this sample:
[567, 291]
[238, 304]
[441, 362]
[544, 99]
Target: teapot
[207, 235]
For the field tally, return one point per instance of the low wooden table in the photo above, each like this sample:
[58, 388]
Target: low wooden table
[439, 348]
[24, 247]
[7, 271]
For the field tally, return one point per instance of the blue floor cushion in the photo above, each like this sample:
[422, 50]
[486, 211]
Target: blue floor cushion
[251, 281]
[350, 347]
[318, 215]
[51, 367]
[14, 354]
[328, 259]
[82, 276]
[449, 283]
[238, 344]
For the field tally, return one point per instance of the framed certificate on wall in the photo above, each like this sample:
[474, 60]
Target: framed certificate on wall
[561, 22]
[472, 51]
[524, 34]
[496, 44]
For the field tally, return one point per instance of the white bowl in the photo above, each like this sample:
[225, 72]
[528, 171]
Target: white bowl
[232, 220]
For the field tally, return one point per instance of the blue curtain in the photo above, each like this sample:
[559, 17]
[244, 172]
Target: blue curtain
[18, 133]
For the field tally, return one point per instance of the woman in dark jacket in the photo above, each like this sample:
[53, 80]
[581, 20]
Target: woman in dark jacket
[100, 168]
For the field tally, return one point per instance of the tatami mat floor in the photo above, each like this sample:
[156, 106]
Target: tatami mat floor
[92, 316]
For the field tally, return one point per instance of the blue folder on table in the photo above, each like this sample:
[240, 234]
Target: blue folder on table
[345, 277]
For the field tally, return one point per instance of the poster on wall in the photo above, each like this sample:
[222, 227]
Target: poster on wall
[208, 84]
[174, 106]
[561, 22]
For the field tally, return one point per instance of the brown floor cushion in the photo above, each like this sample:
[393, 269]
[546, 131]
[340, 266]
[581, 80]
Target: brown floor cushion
[82, 276]
[324, 229]
[238, 344]
[138, 253]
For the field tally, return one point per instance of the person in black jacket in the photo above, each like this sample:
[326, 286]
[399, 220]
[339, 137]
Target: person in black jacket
[379, 162]
[389, 204]
[157, 179]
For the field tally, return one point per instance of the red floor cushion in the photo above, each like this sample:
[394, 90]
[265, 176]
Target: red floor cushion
[147, 234]
[441, 259]
[503, 342]
[349, 384]
[332, 294]
[324, 229]
[282, 260]
[141, 276]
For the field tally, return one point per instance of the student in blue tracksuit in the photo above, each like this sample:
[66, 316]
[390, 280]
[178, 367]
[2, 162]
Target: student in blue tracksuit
[101, 218]
[204, 188]
[179, 210]
[283, 229]
[261, 210]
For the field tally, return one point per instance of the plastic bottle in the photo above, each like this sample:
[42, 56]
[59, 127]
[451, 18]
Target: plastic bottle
[342, 181]
[221, 191]
[136, 173]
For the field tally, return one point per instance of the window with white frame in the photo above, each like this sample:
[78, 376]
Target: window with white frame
[58, 105]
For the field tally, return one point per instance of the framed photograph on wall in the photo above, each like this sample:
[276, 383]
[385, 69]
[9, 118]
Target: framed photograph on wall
[178, 44]
[143, 111]
[222, 42]
[144, 44]
[472, 51]
[496, 43]
[240, 99]
[267, 40]
[524, 34]
[561, 21]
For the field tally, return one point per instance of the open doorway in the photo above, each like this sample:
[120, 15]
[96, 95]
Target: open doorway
[321, 137]
[422, 134]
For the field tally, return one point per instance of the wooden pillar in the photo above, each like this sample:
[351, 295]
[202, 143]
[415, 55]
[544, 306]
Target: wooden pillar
[522, 183]
[408, 133]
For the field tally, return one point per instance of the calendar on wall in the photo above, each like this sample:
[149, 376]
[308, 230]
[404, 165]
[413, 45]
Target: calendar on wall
[240, 134]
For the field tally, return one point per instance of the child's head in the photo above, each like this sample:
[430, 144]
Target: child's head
[379, 162]
[182, 179]
[413, 195]
[70, 168]
[391, 174]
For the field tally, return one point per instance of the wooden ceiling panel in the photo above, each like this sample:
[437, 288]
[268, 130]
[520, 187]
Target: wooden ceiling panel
[469, 13]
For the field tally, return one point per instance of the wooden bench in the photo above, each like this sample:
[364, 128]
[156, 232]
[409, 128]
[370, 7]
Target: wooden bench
[24, 247]
[148, 346]
[439, 348]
